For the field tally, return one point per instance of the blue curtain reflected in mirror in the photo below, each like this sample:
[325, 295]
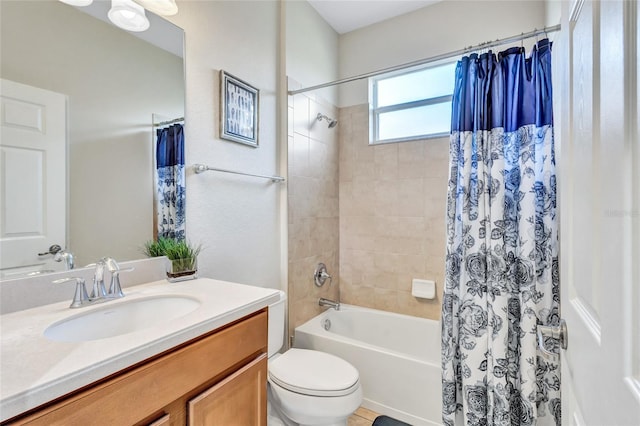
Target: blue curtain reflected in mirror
[170, 182]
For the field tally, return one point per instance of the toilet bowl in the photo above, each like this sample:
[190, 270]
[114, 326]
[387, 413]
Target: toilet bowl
[307, 387]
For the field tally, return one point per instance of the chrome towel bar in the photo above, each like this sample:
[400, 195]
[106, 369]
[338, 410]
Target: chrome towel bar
[201, 168]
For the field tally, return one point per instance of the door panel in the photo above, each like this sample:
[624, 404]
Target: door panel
[632, 292]
[24, 213]
[599, 187]
[33, 175]
[585, 293]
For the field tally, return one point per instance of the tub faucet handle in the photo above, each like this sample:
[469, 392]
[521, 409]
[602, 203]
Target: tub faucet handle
[320, 276]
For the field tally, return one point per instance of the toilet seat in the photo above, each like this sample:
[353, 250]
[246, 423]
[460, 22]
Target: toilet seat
[314, 373]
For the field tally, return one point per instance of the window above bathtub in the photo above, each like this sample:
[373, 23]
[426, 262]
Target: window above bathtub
[411, 104]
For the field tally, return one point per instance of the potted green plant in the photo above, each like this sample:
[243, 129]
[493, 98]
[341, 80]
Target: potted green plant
[182, 257]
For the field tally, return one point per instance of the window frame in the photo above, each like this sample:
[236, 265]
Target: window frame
[375, 111]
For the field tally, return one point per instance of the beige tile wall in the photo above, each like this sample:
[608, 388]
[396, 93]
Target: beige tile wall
[312, 205]
[392, 217]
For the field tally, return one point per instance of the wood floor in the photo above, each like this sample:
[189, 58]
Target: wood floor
[362, 417]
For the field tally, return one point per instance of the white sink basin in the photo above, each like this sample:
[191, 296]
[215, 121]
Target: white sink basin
[121, 318]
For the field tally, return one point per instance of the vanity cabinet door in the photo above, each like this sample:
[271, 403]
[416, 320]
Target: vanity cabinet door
[238, 400]
[162, 421]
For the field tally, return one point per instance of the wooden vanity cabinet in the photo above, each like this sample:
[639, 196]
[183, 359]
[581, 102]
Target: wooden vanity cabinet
[217, 379]
[240, 399]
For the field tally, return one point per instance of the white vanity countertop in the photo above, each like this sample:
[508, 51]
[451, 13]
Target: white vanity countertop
[35, 370]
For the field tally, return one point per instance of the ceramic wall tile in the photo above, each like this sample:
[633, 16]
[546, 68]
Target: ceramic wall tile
[411, 152]
[301, 122]
[313, 199]
[385, 159]
[392, 217]
[386, 300]
[300, 156]
[412, 170]
[410, 197]
[290, 117]
[374, 214]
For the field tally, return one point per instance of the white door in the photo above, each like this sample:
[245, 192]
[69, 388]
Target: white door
[32, 175]
[599, 163]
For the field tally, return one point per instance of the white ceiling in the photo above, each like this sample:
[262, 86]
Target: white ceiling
[349, 15]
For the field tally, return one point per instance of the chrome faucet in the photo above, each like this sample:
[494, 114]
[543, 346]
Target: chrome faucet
[329, 303]
[99, 292]
[60, 255]
[66, 257]
[99, 289]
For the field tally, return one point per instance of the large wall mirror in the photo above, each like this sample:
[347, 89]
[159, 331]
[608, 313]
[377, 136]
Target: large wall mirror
[115, 85]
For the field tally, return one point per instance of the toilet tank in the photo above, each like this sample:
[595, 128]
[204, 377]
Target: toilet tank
[276, 324]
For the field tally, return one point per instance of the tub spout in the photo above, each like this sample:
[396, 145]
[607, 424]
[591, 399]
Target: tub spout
[329, 303]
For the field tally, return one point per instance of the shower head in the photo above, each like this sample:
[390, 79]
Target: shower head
[332, 123]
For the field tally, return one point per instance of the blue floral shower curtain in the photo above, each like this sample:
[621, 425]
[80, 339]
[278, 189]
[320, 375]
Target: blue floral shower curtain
[502, 243]
[170, 182]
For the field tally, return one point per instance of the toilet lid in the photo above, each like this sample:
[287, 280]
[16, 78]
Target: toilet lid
[313, 373]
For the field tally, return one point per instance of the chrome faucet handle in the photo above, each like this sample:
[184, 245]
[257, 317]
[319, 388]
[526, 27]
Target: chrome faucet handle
[320, 275]
[115, 290]
[98, 291]
[80, 298]
[110, 263]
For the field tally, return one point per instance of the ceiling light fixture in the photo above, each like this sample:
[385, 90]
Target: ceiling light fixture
[161, 7]
[128, 15]
[80, 3]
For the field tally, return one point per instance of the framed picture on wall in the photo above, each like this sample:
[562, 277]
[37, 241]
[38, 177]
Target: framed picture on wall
[238, 110]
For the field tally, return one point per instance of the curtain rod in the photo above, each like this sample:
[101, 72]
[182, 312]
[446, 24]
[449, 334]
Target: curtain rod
[201, 168]
[486, 45]
[166, 123]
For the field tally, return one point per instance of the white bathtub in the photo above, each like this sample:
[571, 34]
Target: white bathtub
[398, 357]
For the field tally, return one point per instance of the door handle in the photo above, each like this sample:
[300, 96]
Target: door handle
[557, 332]
[52, 250]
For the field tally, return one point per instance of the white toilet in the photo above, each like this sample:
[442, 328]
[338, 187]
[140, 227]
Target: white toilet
[308, 387]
